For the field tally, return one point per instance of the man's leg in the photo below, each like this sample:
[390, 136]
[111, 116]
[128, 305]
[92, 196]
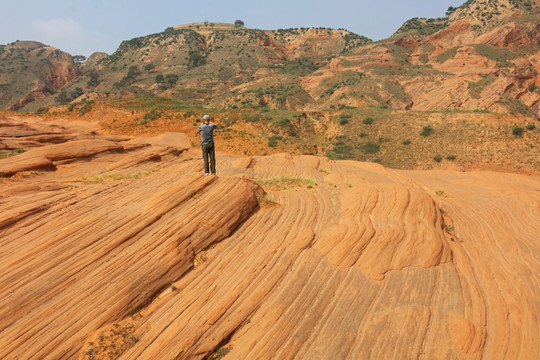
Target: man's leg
[205, 153]
[212, 159]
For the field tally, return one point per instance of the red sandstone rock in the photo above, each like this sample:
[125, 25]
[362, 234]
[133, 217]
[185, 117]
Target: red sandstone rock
[173, 264]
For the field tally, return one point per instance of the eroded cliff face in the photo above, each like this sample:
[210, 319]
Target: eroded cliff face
[33, 71]
[40, 91]
[121, 248]
[62, 69]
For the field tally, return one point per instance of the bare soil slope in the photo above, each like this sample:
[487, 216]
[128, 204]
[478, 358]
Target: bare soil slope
[127, 251]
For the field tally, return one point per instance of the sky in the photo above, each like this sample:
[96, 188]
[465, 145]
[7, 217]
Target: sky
[82, 27]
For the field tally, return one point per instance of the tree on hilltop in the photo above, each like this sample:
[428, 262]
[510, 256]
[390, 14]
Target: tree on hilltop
[79, 59]
[239, 23]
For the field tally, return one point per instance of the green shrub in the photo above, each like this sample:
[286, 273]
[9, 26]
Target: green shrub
[62, 97]
[517, 131]
[451, 157]
[85, 108]
[368, 121]
[196, 59]
[272, 140]
[514, 105]
[427, 130]
[94, 79]
[152, 115]
[406, 142]
[343, 121]
[171, 79]
[253, 118]
[283, 125]
[16, 151]
[530, 127]
[341, 151]
[437, 158]
[371, 148]
[363, 134]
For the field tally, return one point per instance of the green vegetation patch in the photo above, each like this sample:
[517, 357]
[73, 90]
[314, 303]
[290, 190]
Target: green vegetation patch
[515, 106]
[152, 115]
[475, 88]
[427, 130]
[272, 140]
[501, 55]
[371, 147]
[341, 150]
[285, 182]
[96, 179]
[517, 131]
[445, 55]
[298, 67]
[283, 126]
[6, 154]
[353, 40]
[423, 26]
[150, 103]
[400, 54]
[368, 121]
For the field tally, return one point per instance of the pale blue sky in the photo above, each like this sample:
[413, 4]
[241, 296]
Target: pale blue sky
[87, 26]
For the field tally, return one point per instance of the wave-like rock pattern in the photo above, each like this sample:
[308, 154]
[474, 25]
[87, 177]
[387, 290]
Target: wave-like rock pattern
[369, 263]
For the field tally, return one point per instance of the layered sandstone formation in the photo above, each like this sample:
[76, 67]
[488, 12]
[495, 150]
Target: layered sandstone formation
[129, 252]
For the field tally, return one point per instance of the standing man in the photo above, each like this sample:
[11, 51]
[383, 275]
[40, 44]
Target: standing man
[207, 143]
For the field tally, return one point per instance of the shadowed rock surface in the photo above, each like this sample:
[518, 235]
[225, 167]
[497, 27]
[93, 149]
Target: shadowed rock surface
[132, 253]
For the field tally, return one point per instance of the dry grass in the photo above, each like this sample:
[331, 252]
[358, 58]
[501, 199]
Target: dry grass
[277, 183]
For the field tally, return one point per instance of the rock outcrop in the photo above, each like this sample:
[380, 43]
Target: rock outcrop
[276, 257]
[39, 91]
[93, 61]
[62, 69]
[36, 69]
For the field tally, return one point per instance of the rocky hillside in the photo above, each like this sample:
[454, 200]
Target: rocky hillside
[484, 56]
[400, 139]
[119, 248]
[30, 71]
[490, 13]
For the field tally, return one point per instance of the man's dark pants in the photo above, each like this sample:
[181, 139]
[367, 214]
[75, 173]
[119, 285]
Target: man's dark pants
[208, 151]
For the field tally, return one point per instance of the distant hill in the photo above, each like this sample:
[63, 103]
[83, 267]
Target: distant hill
[30, 70]
[482, 57]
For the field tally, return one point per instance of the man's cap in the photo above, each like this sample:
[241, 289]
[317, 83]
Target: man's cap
[206, 117]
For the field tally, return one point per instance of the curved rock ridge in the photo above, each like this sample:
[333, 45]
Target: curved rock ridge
[277, 257]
